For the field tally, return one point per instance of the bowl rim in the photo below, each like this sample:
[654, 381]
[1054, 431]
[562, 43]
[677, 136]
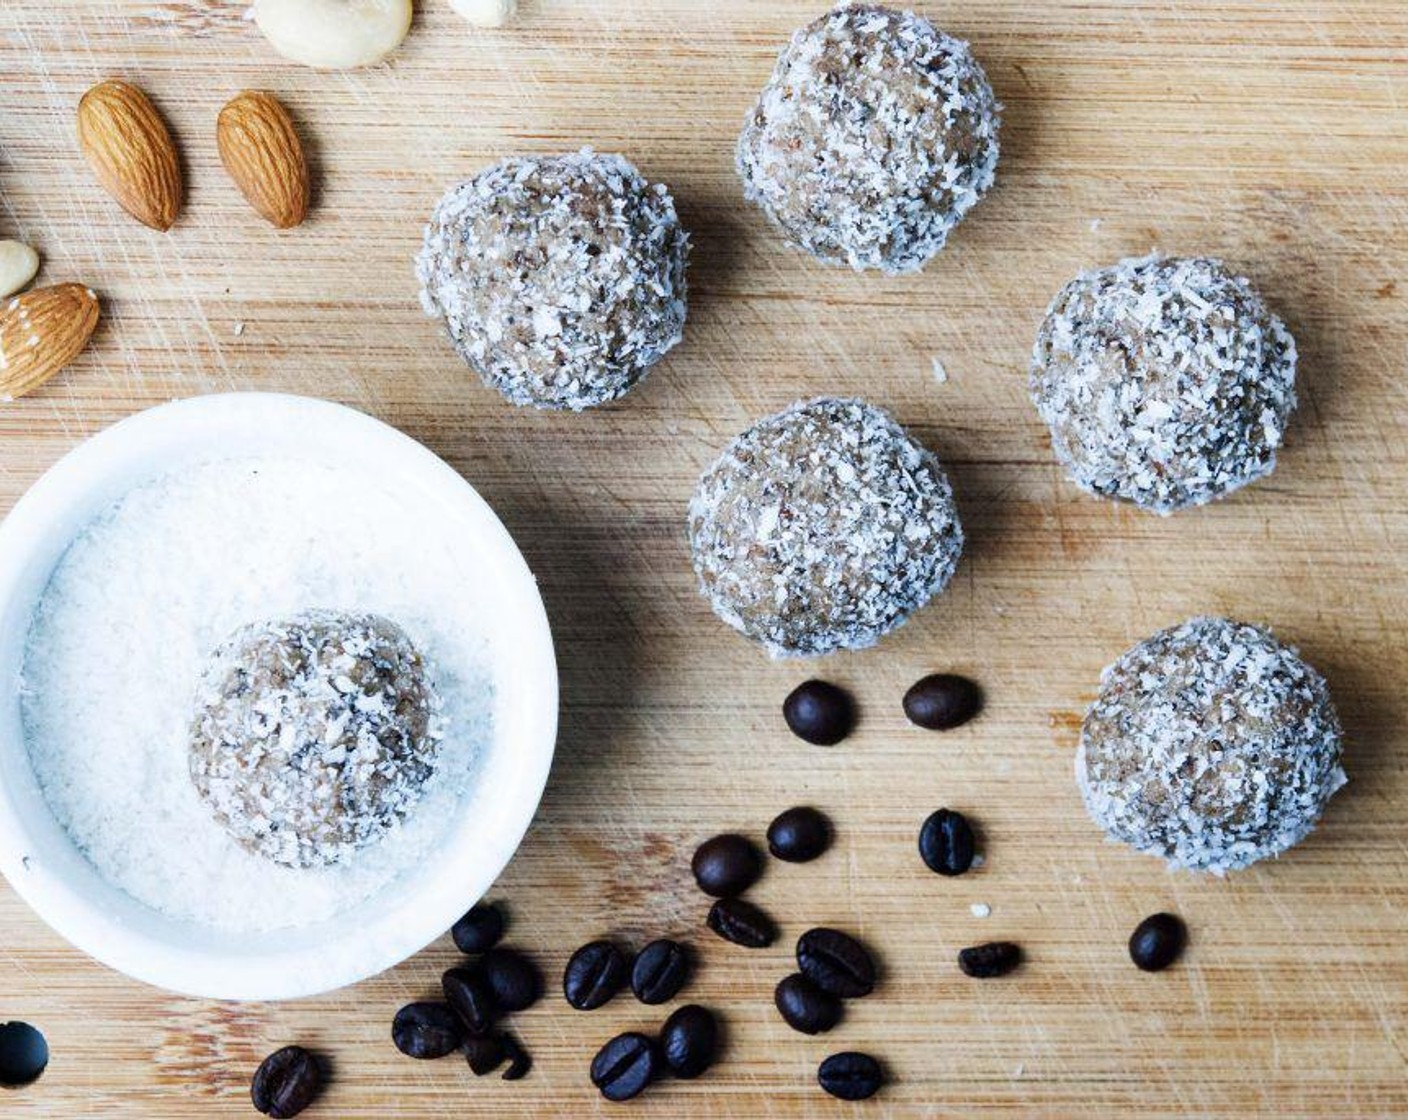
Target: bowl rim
[460, 877]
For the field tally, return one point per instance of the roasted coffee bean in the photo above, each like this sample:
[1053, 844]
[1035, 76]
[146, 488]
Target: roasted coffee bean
[469, 996]
[851, 1076]
[819, 713]
[660, 971]
[742, 923]
[286, 1083]
[836, 962]
[942, 701]
[24, 1052]
[479, 930]
[484, 1053]
[514, 980]
[689, 1041]
[997, 958]
[426, 1030]
[805, 1007]
[946, 842]
[1157, 941]
[520, 1062]
[625, 1066]
[596, 972]
[799, 835]
[727, 865]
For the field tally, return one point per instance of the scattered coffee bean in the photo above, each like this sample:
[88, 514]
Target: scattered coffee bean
[286, 1083]
[805, 1007]
[997, 958]
[819, 713]
[1157, 941]
[485, 1053]
[742, 923]
[727, 865]
[625, 1066]
[942, 702]
[799, 835]
[520, 1062]
[596, 972]
[24, 1053]
[836, 962]
[660, 971]
[426, 1030]
[469, 996]
[851, 1076]
[479, 930]
[689, 1041]
[513, 979]
[946, 842]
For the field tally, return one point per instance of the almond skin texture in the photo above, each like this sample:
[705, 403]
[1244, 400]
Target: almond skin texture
[130, 150]
[41, 332]
[260, 149]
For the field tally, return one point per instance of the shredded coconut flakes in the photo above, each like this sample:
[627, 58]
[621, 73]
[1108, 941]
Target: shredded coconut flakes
[822, 528]
[314, 734]
[875, 135]
[1165, 382]
[1211, 744]
[136, 605]
[561, 280]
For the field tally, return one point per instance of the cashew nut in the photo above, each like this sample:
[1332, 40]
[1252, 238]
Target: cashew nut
[18, 264]
[334, 34]
[486, 13]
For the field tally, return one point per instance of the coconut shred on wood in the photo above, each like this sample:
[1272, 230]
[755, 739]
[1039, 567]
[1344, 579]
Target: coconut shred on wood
[132, 613]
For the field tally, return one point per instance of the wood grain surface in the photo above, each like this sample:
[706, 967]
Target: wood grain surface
[1270, 132]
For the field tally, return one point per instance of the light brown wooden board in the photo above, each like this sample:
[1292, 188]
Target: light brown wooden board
[1271, 133]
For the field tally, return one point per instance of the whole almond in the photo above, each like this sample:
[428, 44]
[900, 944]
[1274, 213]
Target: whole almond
[130, 150]
[41, 332]
[260, 149]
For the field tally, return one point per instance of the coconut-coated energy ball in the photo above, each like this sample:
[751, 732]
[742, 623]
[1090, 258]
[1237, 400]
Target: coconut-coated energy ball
[313, 735]
[822, 528]
[875, 135]
[1165, 381]
[561, 280]
[1212, 745]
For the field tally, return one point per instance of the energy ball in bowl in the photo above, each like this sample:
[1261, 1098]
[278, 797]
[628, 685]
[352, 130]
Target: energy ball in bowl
[822, 528]
[1165, 381]
[561, 280]
[313, 735]
[1211, 744]
[875, 135]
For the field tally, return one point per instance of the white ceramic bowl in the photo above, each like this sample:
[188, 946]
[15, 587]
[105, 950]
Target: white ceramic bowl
[48, 871]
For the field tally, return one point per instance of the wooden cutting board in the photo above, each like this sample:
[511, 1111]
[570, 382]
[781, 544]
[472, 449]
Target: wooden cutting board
[1271, 132]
